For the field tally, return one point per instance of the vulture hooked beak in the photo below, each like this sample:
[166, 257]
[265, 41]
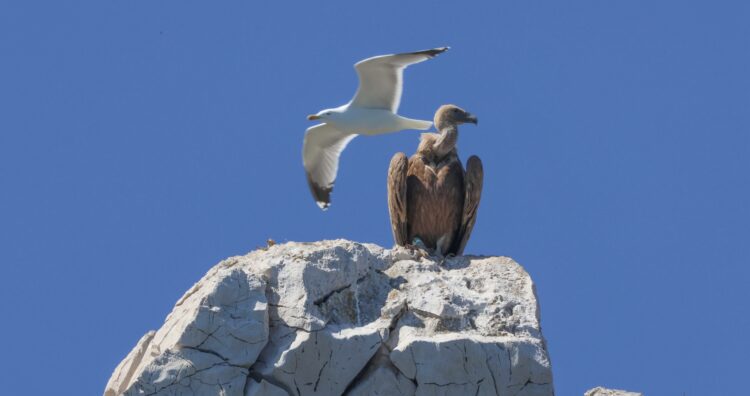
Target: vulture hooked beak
[471, 118]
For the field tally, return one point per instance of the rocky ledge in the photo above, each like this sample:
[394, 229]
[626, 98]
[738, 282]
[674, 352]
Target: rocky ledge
[339, 317]
[599, 391]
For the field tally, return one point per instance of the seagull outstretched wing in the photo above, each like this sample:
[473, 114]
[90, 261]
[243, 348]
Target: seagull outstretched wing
[320, 155]
[381, 78]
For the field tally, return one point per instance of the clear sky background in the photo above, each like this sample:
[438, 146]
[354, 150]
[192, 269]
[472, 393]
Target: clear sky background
[142, 142]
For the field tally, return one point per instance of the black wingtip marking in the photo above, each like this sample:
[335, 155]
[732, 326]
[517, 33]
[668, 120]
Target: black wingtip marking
[432, 52]
[322, 195]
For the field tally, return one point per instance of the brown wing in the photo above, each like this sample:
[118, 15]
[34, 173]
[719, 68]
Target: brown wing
[397, 197]
[473, 191]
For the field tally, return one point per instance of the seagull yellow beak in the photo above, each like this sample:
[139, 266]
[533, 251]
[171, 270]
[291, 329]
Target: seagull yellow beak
[313, 117]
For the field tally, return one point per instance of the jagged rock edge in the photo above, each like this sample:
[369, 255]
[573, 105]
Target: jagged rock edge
[383, 344]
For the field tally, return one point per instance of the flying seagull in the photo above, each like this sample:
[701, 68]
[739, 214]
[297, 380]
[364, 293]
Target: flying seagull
[431, 199]
[372, 111]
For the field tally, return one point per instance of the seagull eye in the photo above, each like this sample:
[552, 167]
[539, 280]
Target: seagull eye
[329, 113]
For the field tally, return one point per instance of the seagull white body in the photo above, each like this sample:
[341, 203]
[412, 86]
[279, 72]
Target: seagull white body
[364, 121]
[372, 111]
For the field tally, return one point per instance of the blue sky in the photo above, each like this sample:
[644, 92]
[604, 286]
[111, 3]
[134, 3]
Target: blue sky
[142, 142]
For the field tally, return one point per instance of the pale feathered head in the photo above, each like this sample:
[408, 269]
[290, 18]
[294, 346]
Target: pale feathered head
[453, 115]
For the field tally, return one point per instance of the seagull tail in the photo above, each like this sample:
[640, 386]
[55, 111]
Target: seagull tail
[419, 125]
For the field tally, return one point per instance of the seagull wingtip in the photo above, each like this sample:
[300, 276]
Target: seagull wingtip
[440, 50]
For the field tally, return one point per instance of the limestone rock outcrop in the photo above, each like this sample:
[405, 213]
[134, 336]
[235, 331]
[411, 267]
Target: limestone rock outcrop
[339, 317]
[599, 391]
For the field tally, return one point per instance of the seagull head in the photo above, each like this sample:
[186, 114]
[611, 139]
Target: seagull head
[324, 115]
[453, 115]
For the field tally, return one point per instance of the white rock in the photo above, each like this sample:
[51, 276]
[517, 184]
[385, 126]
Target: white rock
[382, 378]
[263, 388]
[599, 391]
[336, 317]
[123, 374]
[189, 371]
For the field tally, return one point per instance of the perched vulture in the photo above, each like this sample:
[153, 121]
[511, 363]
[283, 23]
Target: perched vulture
[431, 199]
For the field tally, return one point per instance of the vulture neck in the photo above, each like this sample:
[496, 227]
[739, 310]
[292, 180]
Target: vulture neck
[446, 142]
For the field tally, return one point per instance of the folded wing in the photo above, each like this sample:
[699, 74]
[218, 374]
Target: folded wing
[473, 181]
[381, 78]
[320, 154]
[397, 174]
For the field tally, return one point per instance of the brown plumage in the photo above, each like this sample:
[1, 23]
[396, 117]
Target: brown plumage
[430, 196]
